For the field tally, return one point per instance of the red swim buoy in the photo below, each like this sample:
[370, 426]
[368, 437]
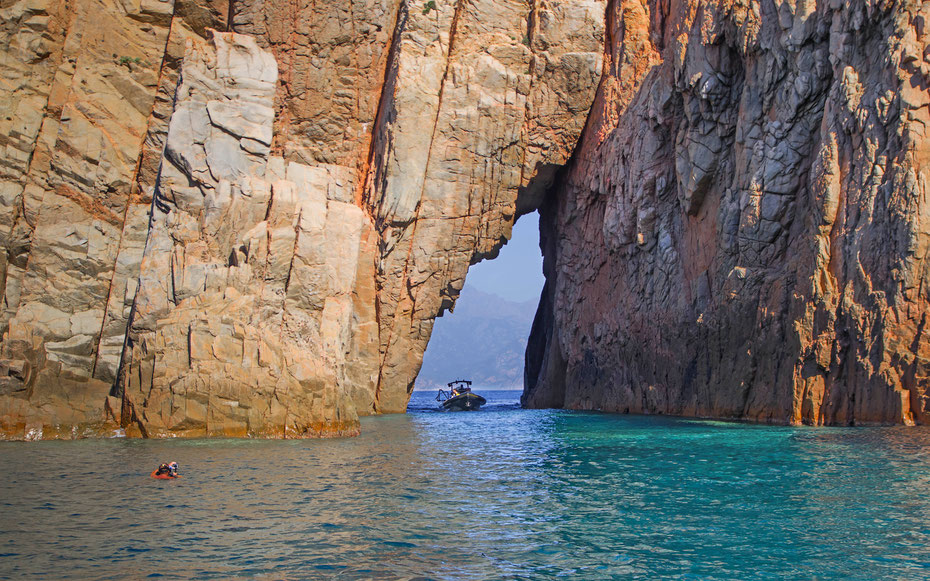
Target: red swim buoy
[167, 471]
[155, 474]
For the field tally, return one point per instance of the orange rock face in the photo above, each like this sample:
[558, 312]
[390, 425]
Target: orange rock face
[242, 218]
[743, 229]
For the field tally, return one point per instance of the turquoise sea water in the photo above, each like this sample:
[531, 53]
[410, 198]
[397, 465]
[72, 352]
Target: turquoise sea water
[499, 494]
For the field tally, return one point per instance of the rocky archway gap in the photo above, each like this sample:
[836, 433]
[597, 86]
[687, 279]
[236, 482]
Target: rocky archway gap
[484, 339]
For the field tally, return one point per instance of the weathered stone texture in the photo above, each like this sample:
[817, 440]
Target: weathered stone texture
[248, 227]
[226, 338]
[487, 97]
[743, 231]
[251, 232]
[331, 59]
[82, 83]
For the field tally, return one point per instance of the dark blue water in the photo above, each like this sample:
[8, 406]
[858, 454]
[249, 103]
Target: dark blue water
[499, 494]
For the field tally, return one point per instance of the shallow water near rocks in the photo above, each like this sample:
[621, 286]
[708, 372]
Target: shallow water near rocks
[503, 493]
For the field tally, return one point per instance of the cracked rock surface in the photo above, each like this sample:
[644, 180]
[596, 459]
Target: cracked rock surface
[743, 230]
[241, 219]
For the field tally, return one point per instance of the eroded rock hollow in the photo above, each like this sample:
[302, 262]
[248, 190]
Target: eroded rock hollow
[743, 230]
[241, 218]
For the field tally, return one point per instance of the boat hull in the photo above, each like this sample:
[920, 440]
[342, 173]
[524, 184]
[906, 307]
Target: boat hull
[466, 402]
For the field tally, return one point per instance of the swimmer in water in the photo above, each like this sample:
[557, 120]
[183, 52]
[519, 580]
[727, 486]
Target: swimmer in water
[166, 470]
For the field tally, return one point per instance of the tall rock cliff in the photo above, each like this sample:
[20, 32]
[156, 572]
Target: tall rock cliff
[241, 218]
[743, 230]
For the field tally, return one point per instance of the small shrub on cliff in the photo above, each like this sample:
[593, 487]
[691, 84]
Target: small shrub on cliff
[431, 5]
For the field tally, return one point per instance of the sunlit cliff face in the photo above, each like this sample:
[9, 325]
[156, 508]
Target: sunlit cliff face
[742, 231]
[250, 232]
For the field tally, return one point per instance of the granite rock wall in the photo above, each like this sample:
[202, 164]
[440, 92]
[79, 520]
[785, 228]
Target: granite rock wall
[743, 230]
[242, 218]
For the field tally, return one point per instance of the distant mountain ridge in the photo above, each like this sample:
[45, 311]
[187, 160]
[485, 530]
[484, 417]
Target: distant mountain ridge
[484, 340]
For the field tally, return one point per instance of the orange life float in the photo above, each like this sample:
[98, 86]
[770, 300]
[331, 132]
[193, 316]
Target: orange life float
[155, 474]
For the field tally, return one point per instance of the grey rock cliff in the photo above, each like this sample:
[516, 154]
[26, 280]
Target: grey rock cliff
[743, 230]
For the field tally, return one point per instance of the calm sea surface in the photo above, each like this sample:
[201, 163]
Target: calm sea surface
[499, 494]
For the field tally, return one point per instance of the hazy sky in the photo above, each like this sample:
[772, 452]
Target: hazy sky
[516, 274]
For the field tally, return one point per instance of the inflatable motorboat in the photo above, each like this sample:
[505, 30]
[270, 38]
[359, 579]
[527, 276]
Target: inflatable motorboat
[459, 397]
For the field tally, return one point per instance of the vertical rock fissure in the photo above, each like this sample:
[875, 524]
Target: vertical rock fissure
[442, 85]
[413, 224]
[118, 388]
[290, 267]
[385, 98]
[133, 180]
[230, 15]
[530, 41]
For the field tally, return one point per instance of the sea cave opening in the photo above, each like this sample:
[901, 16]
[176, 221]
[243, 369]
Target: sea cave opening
[484, 338]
